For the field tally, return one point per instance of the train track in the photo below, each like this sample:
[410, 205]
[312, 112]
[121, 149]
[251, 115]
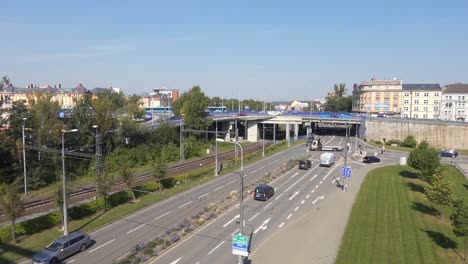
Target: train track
[83, 193]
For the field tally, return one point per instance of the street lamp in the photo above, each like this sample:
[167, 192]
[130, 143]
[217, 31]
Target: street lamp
[216, 150]
[181, 143]
[263, 139]
[241, 175]
[24, 160]
[64, 184]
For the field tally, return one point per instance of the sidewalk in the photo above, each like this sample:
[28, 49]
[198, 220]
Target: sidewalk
[315, 237]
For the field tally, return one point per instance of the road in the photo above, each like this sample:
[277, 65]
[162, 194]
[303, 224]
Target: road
[115, 241]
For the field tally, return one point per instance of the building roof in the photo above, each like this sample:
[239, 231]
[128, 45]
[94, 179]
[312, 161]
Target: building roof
[456, 88]
[380, 82]
[421, 87]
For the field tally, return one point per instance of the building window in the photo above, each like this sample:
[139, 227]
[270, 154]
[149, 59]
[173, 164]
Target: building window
[405, 108]
[416, 94]
[436, 102]
[426, 94]
[405, 116]
[406, 94]
[436, 109]
[416, 101]
[436, 94]
[415, 115]
[424, 116]
[416, 109]
[450, 97]
[426, 101]
[425, 108]
[406, 102]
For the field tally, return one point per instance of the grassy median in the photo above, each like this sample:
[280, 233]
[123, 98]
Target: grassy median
[392, 222]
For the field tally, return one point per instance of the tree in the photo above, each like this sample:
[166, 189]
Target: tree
[4, 82]
[336, 101]
[128, 177]
[11, 203]
[459, 219]
[159, 171]
[409, 142]
[425, 159]
[439, 191]
[192, 105]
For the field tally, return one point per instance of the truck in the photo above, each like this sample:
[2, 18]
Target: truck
[327, 159]
[317, 145]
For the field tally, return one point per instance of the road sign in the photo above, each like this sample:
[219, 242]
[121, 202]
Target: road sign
[240, 244]
[346, 171]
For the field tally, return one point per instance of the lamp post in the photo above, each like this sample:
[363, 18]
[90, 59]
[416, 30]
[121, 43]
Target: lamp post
[216, 150]
[263, 139]
[181, 143]
[24, 160]
[64, 183]
[241, 175]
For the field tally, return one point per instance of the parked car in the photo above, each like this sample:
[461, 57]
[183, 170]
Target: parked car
[449, 153]
[62, 248]
[371, 159]
[305, 164]
[263, 192]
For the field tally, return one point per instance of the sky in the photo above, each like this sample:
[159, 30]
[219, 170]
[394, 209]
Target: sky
[253, 49]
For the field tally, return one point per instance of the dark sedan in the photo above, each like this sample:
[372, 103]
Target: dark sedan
[449, 153]
[371, 159]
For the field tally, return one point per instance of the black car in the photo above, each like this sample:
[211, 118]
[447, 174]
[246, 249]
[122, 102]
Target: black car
[449, 153]
[305, 164]
[263, 192]
[371, 159]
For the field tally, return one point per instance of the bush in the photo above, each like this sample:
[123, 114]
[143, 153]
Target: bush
[118, 198]
[150, 187]
[409, 142]
[393, 141]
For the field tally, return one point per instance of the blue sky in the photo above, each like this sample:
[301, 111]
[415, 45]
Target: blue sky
[272, 50]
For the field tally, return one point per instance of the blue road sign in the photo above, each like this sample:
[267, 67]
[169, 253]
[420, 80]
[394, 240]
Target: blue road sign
[346, 171]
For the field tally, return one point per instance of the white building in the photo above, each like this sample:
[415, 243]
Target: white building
[454, 104]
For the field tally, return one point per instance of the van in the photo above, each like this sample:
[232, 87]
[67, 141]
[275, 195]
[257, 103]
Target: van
[263, 192]
[327, 159]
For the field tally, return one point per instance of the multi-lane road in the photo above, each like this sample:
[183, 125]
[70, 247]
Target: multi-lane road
[295, 192]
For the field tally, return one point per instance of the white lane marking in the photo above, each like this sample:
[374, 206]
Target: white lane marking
[295, 174]
[318, 198]
[218, 188]
[71, 261]
[235, 232]
[126, 254]
[253, 216]
[279, 196]
[203, 195]
[198, 262]
[175, 261]
[302, 202]
[334, 180]
[295, 209]
[261, 167]
[266, 206]
[316, 186]
[91, 251]
[140, 226]
[295, 183]
[230, 221]
[281, 225]
[253, 171]
[289, 216]
[312, 191]
[185, 204]
[294, 195]
[362, 164]
[231, 181]
[320, 182]
[209, 253]
[315, 176]
[325, 177]
[162, 215]
[263, 226]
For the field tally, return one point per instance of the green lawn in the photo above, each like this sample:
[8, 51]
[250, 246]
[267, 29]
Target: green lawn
[391, 222]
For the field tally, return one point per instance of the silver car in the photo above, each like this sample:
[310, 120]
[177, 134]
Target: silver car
[62, 248]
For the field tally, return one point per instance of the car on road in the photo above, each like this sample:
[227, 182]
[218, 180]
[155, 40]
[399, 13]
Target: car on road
[62, 248]
[263, 192]
[371, 159]
[305, 164]
[449, 153]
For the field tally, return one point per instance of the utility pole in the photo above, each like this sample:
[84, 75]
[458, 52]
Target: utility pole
[98, 160]
[64, 184]
[346, 156]
[216, 150]
[24, 161]
[181, 139]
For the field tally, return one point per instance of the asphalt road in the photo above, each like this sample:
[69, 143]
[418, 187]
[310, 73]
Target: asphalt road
[115, 241]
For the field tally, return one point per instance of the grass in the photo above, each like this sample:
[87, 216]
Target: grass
[392, 222]
[31, 244]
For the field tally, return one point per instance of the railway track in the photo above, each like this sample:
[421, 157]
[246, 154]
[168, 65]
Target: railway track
[83, 193]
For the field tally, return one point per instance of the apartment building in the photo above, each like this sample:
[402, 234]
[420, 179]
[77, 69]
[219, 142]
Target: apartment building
[377, 97]
[421, 101]
[454, 102]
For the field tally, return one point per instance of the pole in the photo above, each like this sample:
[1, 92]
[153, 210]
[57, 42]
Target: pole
[241, 205]
[152, 112]
[216, 150]
[346, 157]
[263, 139]
[181, 140]
[24, 161]
[64, 192]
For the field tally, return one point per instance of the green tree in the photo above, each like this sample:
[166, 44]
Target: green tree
[4, 82]
[425, 159]
[459, 220]
[439, 191]
[336, 101]
[128, 177]
[159, 171]
[409, 142]
[134, 107]
[11, 203]
[192, 105]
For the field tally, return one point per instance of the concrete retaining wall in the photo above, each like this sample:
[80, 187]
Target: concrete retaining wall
[438, 134]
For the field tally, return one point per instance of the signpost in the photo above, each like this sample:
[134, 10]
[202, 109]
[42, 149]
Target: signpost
[240, 245]
[346, 171]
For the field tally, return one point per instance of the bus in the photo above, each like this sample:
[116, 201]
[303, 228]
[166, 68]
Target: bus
[158, 109]
[216, 109]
